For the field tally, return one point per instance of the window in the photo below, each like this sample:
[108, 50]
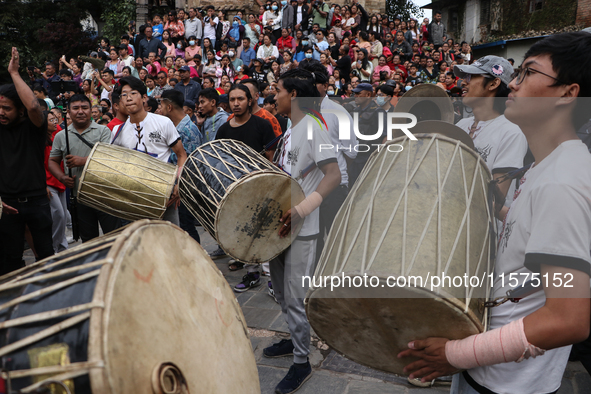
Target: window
[485, 12]
[453, 20]
[535, 5]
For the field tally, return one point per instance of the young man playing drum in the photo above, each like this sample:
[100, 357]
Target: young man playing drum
[500, 143]
[527, 347]
[152, 134]
[318, 173]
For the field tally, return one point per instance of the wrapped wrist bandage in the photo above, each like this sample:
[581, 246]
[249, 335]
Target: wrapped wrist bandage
[501, 345]
[308, 206]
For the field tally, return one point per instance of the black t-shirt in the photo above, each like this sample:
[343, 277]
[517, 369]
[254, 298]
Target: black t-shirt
[22, 151]
[256, 133]
[344, 66]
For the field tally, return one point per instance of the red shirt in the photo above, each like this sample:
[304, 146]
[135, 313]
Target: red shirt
[113, 123]
[285, 43]
[50, 179]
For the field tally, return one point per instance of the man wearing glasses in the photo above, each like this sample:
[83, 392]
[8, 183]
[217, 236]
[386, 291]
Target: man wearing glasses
[500, 143]
[528, 345]
[152, 134]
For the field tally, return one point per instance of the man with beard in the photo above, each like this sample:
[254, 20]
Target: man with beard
[23, 136]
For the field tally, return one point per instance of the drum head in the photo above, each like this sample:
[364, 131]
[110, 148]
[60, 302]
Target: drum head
[427, 102]
[358, 327]
[247, 222]
[439, 127]
[167, 302]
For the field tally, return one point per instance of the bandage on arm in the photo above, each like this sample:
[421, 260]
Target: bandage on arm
[309, 204]
[501, 345]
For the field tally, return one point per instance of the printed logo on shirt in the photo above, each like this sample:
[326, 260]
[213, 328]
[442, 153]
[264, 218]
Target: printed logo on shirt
[508, 228]
[155, 136]
[292, 156]
[484, 152]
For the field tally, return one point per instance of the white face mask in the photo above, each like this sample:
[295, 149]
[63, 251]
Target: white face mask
[330, 92]
[231, 54]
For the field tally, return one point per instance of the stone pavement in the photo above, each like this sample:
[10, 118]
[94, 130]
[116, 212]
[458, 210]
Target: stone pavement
[333, 374]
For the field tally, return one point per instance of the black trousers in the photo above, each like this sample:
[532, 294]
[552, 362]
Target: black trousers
[328, 210]
[89, 219]
[582, 352]
[188, 222]
[34, 213]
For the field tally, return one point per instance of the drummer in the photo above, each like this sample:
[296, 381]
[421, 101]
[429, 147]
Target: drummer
[152, 134]
[500, 143]
[82, 135]
[528, 345]
[320, 175]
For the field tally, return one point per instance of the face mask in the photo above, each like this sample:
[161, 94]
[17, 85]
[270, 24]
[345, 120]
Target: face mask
[381, 101]
[308, 56]
[304, 43]
[274, 8]
[330, 92]
[191, 42]
[235, 23]
[179, 46]
[231, 54]
[238, 69]
[284, 3]
[267, 7]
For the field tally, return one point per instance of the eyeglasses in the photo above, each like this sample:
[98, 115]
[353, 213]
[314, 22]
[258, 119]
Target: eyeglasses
[52, 120]
[521, 74]
[132, 93]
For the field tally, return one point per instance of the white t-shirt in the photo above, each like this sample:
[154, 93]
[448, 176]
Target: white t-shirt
[156, 136]
[209, 30]
[297, 154]
[501, 144]
[333, 130]
[299, 15]
[549, 222]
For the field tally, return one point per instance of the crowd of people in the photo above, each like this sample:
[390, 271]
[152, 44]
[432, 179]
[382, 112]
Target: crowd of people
[190, 77]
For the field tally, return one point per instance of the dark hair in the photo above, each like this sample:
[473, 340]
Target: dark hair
[79, 97]
[270, 99]
[173, 79]
[319, 71]
[162, 72]
[65, 71]
[210, 94]
[240, 86]
[210, 79]
[116, 96]
[365, 60]
[105, 39]
[149, 76]
[107, 101]
[437, 12]
[176, 97]
[43, 105]
[134, 83]
[39, 88]
[109, 71]
[253, 82]
[363, 35]
[303, 82]
[125, 37]
[152, 104]
[386, 89]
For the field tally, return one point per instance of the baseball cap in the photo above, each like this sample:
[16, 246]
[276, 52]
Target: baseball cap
[363, 86]
[185, 68]
[494, 66]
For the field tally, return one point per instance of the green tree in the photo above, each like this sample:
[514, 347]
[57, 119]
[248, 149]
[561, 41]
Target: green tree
[404, 9]
[116, 15]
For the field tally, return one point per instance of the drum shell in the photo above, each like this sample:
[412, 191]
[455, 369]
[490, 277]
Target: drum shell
[239, 196]
[126, 183]
[151, 306]
[422, 211]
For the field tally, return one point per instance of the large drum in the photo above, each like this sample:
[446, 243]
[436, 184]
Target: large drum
[126, 183]
[419, 212]
[239, 196]
[140, 311]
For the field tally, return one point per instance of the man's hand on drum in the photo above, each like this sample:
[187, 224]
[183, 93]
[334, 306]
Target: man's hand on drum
[68, 181]
[290, 218]
[432, 362]
[75, 161]
[174, 198]
[8, 210]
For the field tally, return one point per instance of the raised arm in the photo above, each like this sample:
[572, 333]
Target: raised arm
[24, 91]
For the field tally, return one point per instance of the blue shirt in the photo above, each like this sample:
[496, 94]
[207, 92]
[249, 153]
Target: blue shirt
[323, 46]
[157, 31]
[191, 137]
[247, 56]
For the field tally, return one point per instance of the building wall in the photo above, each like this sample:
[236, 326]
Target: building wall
[471, 32]
[512, 49]
[584, 13]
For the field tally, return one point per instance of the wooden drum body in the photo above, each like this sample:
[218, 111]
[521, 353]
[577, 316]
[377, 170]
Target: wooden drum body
[238, 197]
[139, 311]
[422, 211]
[126, 183]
